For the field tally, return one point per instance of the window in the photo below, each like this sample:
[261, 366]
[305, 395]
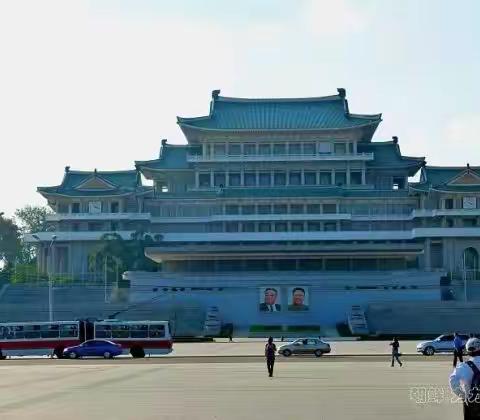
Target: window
[114, 207]
[232, 209]
[219, 179]
[250, 209]
[449, 223]
[76, 227]
[280, 209]
[279, 178]
[280, 227]
[297, 226]
[295, 178]
[264, 179]
[139, 331]
[279, 149]
[329, 208]
[264, 209]
[340, 178]
[313, 226]
[350, 148]
[310, 178]
[313, 208]
[264, 227]
[325, 178]
[234, 179]
[156, 331]
[330, 226]
[204, 180]
[114, 226]
[75, 207]
[295, 149]
[340, 148]
[231, 227]
[448, 203]
[469, 222]
[249, 179]
[324, 148]
[219, 150]
[234, 149]
[249, 149]
[398, 183]
[62, 208]
[355, 178]
[296, 208]
[309, 149]
[264, 149]
[248, 227]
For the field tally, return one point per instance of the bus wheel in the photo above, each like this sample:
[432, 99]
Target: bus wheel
[137, 352]
[58, 352]
[2, 356]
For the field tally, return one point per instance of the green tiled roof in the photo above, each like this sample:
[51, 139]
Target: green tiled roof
[328, 112]
[115, 183]
[387, 154]
[172, 157]
[438, 177]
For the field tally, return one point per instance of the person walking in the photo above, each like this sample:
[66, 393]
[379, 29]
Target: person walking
[465, 381]
[395, 351]
[457, 349]
[270, 352]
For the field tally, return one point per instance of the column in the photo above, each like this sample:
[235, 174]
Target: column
[428, 261]
[197, 179]
[272, 172]
[211, 179]
[364, 181]
[348, 172]
[242, 173]
[302, 179]
[333, 177]
[204, 150]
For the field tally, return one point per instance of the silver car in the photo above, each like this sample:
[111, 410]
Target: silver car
[442, 344]
[305, 346]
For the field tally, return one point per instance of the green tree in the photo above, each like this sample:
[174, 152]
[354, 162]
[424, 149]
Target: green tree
[30, 219]
[10, 244]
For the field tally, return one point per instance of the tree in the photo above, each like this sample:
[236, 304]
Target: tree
[10, 244]
[30, 219]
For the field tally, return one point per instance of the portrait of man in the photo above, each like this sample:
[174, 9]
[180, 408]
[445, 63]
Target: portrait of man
[270, 297]
[298, 299]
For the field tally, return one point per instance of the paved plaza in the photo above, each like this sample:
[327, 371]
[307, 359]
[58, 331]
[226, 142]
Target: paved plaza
[229, 388]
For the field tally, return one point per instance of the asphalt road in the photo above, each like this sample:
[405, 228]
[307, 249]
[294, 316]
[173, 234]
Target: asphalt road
[188, 388]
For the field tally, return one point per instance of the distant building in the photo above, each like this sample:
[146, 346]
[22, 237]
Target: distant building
[282, 194]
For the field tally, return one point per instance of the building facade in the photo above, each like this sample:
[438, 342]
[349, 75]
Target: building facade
[287, 201]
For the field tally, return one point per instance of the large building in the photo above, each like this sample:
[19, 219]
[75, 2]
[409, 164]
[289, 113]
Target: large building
[277, 205]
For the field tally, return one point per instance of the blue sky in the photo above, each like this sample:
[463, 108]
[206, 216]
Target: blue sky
[98, 84]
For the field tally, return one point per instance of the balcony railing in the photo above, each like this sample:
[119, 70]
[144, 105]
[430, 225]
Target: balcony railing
[97, 216]
[280, 157]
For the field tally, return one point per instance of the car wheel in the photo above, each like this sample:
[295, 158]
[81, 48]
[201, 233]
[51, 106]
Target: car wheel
[73, 355]
[318, 353]
[107, 355]
[429, 351]
[287, 353]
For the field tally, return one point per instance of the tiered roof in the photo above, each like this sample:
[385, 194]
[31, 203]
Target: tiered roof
[172, 157]
[449, 179]
[96, 183]
[283, 114]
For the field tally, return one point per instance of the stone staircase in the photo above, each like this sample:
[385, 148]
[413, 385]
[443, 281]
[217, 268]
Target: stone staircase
[357, 321]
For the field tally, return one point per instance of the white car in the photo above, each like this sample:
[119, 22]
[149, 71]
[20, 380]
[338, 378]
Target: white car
[442, 344]
[305, 346]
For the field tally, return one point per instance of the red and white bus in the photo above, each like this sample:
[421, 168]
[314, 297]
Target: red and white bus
[47, 338]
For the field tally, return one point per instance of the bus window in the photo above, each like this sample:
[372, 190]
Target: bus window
[139, 331]
[120, 331]
[32, 331]
[69, 330]
[49, 331]
[156, 331]
[18, 332]
[103, 331]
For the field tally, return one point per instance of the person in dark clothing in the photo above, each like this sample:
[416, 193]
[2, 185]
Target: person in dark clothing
[395, 351]
[457, 349]
[270, 352]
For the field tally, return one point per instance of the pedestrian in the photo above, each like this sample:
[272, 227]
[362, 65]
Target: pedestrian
[465, 381]
[395, 351]
[457, 349]
[230, 338]
[270, 351]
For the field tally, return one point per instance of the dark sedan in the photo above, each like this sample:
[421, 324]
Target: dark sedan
[93, 348]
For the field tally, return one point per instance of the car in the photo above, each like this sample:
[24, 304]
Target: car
[91, 348]
[305, 346]
[441, 344]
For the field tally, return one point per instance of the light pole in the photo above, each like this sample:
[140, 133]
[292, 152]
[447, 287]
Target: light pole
[49, 274]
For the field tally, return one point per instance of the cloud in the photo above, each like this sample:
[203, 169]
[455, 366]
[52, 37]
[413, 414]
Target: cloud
[334, 17]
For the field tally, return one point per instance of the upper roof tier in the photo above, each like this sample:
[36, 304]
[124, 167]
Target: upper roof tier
[240, 114]
[449, 179]
[95, 184]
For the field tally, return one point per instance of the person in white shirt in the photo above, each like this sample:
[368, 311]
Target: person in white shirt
[461, 380]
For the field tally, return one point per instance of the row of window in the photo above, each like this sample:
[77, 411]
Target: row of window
[295, 226]
[277, 178]
[296, 148]
[93, 207]
[326, 208]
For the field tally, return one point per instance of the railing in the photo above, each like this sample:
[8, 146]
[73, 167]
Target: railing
[97, 216]
[280, 157]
